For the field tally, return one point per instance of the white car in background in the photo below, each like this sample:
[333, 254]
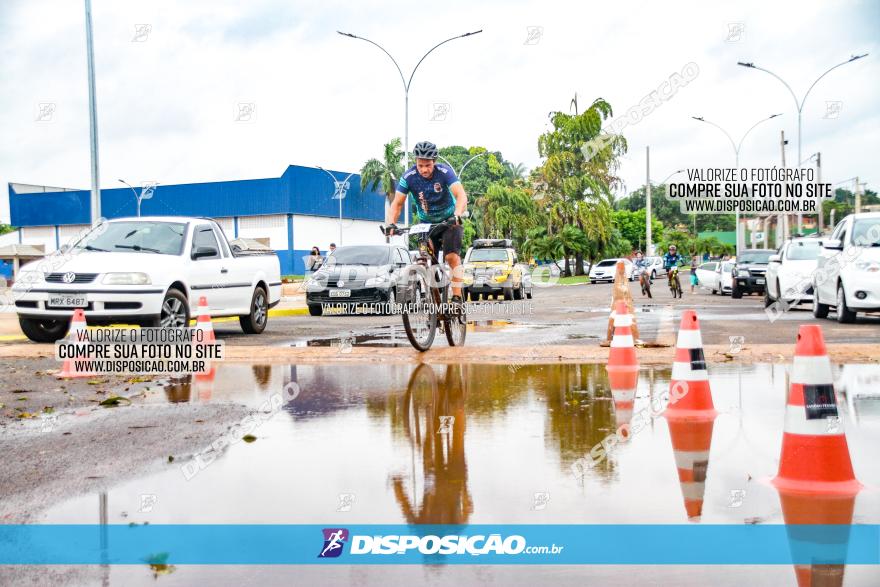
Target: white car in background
[847, 274]
[790, 271]
[716, 276]
[606, 269]
[708, 276]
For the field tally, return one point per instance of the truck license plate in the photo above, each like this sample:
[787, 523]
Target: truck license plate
[68, 300]
[759, 281]
[340, 293]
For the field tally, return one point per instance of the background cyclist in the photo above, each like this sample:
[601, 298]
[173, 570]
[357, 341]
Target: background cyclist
[672, 259]
[439, 197]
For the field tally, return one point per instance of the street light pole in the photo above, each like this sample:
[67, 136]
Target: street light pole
[463, 167]
[406, 86]
[144, 195]
[93, 118]
[736, 149]
[339, 194]
[800, 104]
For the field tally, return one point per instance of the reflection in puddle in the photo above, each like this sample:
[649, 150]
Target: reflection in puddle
[471, 444]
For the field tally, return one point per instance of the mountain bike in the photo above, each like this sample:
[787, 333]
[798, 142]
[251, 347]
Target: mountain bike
[674, 282]
[426, 296]
[645, 282]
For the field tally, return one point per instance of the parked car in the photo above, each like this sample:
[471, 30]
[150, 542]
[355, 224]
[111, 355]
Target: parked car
[725, 276]
[749, 272]
[526, 273]
[149, 271]
[656, 266]
[357, 274]
[491, 268]
[790, 272]
[606, 269]
[847, 274]
[709, 277]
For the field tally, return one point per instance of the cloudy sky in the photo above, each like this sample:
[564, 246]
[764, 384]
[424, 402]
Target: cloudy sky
[171, 76]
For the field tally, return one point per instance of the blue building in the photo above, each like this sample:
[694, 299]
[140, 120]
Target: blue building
[291, 213]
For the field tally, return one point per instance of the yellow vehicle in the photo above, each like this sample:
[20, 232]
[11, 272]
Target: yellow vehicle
[491, 269]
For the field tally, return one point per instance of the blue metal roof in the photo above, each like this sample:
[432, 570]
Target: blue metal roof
[300, 190]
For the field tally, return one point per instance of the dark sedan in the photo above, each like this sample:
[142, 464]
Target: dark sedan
[750, 272]
[356, 275]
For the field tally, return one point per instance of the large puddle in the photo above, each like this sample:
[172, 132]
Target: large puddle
[463, 444]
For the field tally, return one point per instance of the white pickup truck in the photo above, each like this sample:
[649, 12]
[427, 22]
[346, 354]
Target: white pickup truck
[149, 271]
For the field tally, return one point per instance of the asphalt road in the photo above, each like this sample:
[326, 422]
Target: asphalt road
[576, 314]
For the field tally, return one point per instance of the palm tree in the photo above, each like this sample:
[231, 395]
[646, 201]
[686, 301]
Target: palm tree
[514, 171]
[384, 173]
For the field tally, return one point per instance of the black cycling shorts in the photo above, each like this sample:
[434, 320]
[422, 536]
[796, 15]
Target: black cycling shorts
[448, 239]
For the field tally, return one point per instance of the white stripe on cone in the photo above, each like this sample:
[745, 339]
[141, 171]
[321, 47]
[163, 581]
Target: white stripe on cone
[685, 459]
[693, 490]
[622, 340]
[622, 319]
[689, 339]
[682, 372]
[796, 422]
[811, 370]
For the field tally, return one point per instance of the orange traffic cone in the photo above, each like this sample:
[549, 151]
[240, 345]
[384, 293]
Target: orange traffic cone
[204, 381]
[76, 336]
[623, 367]
[690, 395]
[691, 441]
[620, 292]
[826, 509]
[204, 321]
[815, 456]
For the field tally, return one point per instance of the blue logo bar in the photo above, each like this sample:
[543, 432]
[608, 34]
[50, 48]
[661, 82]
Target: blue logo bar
[441, 544]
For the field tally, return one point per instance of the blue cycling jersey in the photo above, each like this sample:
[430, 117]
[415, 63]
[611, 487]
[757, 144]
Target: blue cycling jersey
[670, 260]
[433, 196]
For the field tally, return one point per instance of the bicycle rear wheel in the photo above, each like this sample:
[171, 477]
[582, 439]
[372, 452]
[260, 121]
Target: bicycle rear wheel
[419, 313]
[454, 325]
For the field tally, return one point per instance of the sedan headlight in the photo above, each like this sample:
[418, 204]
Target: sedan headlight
[374, 281]
[129, 278]
[29, 277]
[869, 266]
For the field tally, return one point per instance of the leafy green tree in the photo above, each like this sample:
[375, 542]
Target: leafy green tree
[670, 214]
[575, 190]
[385, 172]
[632, 227]
[5, 228]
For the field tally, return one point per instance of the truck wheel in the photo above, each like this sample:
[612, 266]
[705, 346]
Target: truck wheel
[508, 293]
[255, 322]
[844, 314]
[315, 310]
[44, 330]
[518, 293]
[736, 293]
[174, 313]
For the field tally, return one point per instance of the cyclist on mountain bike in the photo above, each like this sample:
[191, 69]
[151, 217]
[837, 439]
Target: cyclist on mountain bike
[440, 198]
[672, 258]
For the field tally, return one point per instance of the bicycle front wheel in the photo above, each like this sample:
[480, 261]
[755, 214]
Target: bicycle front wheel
[419, 313]
[454, 323]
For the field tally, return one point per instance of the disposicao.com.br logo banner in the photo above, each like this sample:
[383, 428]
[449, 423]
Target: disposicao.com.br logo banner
[480, 544]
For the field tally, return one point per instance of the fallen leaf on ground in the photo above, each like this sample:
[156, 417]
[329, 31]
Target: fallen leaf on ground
[114, 400]
[249, 438]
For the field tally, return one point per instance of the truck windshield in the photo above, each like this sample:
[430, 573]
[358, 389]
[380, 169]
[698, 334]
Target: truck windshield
[756, 257]
[164, 238]
[488, 255]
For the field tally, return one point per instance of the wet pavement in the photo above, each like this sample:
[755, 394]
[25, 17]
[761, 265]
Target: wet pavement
[470, 444]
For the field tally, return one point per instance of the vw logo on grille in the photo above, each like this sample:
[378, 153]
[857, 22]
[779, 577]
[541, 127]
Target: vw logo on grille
[69, 277]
